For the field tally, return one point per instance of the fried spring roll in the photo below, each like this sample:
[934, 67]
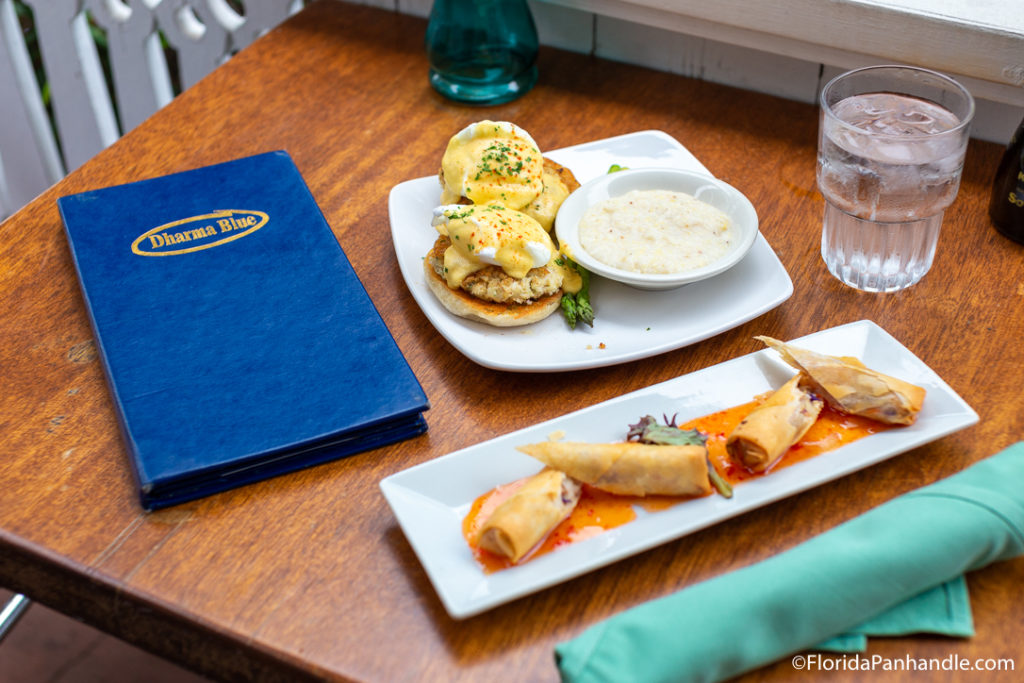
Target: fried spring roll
[769, 430]
[520, 523]
[630, 468]
[851, 387]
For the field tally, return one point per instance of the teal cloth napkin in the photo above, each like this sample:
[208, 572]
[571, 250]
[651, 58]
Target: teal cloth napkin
[831, 584]
[944, 609]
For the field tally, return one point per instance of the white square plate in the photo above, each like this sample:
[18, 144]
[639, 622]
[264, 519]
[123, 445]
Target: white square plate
[430, 500]
[630, 324]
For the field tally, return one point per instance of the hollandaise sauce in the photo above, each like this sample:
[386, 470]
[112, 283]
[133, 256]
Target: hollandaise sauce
[491, 161]
[598, 511]
[491, 234]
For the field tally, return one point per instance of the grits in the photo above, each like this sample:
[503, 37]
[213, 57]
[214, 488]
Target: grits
[655, 231]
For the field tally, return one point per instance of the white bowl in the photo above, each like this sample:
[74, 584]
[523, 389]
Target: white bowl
[699, 185]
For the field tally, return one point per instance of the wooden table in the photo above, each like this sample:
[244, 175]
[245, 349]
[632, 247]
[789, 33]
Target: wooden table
[308, 575]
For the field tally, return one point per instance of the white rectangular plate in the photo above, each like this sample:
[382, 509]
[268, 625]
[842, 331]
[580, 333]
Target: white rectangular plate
[630, 324]
[431, 500]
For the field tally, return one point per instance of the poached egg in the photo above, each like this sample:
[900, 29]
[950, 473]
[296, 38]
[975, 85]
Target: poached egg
[491, 234]
[492, 161]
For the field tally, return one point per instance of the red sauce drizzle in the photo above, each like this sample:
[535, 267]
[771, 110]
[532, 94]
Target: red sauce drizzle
[598, 511]
[831, 430]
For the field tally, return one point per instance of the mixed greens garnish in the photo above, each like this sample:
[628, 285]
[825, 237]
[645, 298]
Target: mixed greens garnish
[647, 430]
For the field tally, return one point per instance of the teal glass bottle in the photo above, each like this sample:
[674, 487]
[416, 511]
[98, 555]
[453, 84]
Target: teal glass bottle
[482, 51]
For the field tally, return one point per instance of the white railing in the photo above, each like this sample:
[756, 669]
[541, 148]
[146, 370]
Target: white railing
[787, 48]
[146, 41]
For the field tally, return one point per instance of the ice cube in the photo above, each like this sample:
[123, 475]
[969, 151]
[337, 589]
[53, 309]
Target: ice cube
[898, 153]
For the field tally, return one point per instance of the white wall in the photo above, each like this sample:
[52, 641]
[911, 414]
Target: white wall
[607, 29]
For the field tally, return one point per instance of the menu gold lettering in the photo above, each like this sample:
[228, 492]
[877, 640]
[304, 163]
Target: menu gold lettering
[161, 239]
[231, 223]
[199, 232]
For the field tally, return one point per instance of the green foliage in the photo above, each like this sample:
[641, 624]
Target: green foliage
[28, 28]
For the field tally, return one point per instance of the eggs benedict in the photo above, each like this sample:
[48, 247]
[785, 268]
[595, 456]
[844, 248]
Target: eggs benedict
[497, 161]
[496, 265]
[492, 161]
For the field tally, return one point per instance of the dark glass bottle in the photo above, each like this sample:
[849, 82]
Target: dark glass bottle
[482, 51]
[1006, 208]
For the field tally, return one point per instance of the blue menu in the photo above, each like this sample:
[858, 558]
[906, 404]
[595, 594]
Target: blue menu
[237, 340]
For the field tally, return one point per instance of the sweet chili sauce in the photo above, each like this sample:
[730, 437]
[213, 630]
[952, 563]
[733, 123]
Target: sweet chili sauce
[831, 430]
[595, 513]
[598, 511]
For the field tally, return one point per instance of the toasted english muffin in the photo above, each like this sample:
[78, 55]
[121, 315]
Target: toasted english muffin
[508, 313]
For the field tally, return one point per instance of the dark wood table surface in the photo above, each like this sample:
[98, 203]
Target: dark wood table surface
[309, 575]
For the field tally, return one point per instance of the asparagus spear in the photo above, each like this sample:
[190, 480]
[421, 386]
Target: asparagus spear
[576, 307]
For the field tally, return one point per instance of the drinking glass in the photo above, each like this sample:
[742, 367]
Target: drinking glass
[482, 51]
[891, 145]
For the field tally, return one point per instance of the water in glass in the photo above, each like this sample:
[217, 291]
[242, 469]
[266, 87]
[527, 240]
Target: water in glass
[887, 174]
